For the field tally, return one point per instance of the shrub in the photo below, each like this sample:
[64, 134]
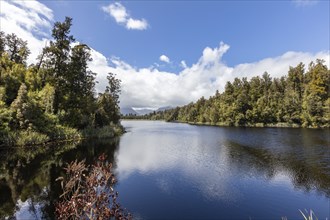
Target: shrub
[88, 193]
[29, 137]
[108, 131]
[61, 132]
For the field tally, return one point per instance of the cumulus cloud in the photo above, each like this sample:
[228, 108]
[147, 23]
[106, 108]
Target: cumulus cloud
[29, 20]
[121, 16]
[150, 87]
[136, 24]
[208, 175]
[117, 11]
[164, 58]
[183, 64]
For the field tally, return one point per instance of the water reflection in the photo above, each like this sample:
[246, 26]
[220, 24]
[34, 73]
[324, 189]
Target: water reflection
[207, 160]
[306, 174]
[187, 156]
[27, 176]
[226, 167]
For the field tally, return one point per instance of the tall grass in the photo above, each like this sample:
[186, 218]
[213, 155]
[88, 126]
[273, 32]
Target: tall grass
[104, 132]
[61, 132]
[308, 215]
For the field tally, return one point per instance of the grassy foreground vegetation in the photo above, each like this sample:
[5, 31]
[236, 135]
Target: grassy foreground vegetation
[88, 192]
[53, 99]
[300, 99]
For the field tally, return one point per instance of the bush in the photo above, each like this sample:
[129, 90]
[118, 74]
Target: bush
[103, 132]
[88, 193]
[61, 132]
[29, 137]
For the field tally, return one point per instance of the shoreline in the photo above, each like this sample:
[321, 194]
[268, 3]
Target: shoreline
[90, 133]
[257, 125]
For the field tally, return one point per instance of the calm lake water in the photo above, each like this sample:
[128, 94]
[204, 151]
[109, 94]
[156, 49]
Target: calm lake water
[181, 171]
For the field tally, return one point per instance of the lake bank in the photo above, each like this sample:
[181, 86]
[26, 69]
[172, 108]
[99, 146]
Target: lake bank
[32, 138]
[256, 125]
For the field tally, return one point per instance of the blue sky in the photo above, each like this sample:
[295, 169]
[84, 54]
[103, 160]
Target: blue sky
[203, 44]
[182, 29]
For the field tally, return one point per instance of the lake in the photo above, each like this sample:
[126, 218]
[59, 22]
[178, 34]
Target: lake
[181, 171]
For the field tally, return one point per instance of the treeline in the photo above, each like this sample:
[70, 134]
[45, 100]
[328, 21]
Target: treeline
[300, 99]
[54, 98]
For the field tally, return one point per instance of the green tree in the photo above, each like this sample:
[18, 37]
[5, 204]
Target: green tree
[17, 49]
[57, 60]
[113, 88]
[108, 110]
[79, 90]
[51, 99]
[20, 107]
[316, 95]
[293, 94]
[2, 42]
[5, 116]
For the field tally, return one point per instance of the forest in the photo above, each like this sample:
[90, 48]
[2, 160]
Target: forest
[299, 99]
[54, 98]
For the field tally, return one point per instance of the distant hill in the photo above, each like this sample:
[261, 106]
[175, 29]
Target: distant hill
[164, 108]
[142, 111]
[128, 110]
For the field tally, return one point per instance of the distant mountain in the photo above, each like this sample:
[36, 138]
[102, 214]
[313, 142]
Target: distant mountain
[127, 111]
[143, 111]
[164, 108]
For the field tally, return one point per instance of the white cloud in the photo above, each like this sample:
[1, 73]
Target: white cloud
[121, 16]
[150, 87]
[117, 11]
[136, 24]
[164, 58]
[183, 64]
[305, 3]
[207, 171]
[29, 20]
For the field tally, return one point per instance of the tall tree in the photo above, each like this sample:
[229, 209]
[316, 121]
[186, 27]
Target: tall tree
[17, 49]
[58, 59]
[79, 88]
[293, 94]
[2, 42]
[316, 95]
[20, 107]
[108, 103]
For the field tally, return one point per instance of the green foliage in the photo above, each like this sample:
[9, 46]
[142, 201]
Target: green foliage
[2, 42]
[5, 119]
[108, 103]
[300, 99]
[16, 49]
[55, 98]
[28, 137]
[108, 131]
[60, 132]
[46, 96]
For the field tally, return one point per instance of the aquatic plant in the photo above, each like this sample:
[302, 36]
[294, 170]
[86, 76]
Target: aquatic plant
[308, 215]
[88, 192]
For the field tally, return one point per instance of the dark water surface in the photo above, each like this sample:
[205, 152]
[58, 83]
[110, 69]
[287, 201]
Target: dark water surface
[180, 171]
